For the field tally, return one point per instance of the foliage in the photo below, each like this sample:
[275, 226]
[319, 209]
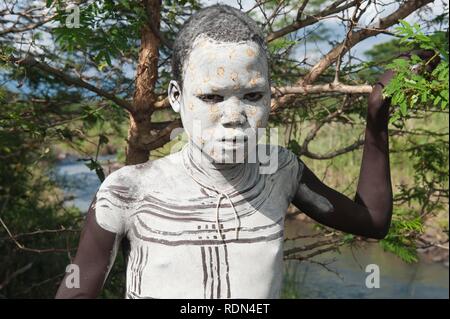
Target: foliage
[108, 29]
[29, 202]
[410, 91]
[402, 235]
[419, 94]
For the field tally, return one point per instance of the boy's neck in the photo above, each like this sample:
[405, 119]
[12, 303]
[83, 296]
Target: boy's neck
[221, 176]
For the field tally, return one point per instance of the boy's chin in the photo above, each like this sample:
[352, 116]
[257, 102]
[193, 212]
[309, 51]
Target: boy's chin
[227, 155]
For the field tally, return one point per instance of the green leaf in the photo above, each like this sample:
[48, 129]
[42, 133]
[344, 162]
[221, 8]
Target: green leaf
[437, 100]
[404, 108]
[349, 238]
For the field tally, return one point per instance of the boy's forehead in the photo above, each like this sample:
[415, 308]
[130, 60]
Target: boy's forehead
[217, 59]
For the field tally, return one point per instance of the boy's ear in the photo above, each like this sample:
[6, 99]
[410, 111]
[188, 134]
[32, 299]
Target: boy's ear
[174, 95]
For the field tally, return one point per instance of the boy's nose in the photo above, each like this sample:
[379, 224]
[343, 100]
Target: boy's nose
[233, 115]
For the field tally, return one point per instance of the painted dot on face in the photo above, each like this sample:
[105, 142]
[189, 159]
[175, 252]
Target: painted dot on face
[213, 112]
[233, 76]
[220, 71]
[250, 52]
[191, 106]
[253, 81]
[206, 79]
[251, 110]
[202, 43]
[213, 108]
[198, 91]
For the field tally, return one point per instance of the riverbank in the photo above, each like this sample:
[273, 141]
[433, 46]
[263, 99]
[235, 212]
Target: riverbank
[433, 244]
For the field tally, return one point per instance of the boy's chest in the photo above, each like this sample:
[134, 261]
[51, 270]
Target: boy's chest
[190, 248]
[190, 241]
[192, 212]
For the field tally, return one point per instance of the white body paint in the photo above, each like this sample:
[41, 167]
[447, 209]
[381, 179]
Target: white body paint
[170, 209]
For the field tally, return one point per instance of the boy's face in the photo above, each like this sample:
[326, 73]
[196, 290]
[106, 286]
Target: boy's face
[225, 97]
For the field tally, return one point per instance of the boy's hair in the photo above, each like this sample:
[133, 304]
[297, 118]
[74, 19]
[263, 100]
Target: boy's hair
[219, 22]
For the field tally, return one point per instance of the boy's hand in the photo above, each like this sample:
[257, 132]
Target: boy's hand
[430, 60]
[377, 114]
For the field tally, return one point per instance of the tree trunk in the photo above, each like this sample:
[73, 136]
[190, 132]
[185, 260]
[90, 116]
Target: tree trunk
[139, 133]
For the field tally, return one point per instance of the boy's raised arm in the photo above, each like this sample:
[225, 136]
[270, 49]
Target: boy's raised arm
[370, 213]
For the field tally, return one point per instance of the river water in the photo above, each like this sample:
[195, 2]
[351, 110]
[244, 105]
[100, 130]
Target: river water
[336, 275]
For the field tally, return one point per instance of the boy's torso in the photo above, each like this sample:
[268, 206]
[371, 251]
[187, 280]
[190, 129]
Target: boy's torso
[171, 223]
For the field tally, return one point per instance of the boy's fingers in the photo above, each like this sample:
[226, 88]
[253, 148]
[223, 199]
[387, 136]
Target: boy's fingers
[429, 56]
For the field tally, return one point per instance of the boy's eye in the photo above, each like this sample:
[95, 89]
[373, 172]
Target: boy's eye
[253, 96]
[211, 98]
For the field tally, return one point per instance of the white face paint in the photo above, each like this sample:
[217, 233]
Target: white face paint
[225, 96]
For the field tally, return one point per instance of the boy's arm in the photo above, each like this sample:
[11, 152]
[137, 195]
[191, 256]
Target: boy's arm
[93, 257]
[370, 213]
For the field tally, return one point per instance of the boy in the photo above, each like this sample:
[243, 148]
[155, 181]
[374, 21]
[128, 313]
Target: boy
[201, 225]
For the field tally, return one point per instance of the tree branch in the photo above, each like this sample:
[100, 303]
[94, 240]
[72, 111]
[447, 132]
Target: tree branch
[341, 151]
[312, 246]
[15, 274]
[31, 62]
[13, 29]
[318, 125]
[163, 136]
[39, 251]
[357, 36]
[320, 88]
[310, 19]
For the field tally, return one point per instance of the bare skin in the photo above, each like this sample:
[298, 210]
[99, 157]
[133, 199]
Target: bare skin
[368, 215]
[93, 257]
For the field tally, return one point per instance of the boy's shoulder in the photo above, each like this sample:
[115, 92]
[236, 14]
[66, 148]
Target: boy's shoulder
[131, 176]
